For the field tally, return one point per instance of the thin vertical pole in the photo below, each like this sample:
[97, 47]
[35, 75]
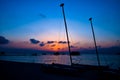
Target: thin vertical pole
[90, 19]
[62, 5]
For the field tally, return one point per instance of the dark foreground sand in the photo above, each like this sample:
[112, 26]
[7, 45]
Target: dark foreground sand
[31, 71]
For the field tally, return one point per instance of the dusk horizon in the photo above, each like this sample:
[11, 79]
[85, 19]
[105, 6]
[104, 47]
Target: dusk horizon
[59, 39]
[39, 25]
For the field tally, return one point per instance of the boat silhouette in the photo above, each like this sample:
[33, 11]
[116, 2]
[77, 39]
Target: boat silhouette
[73, 68]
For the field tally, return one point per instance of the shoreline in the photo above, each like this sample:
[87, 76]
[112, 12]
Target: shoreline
[33, 71]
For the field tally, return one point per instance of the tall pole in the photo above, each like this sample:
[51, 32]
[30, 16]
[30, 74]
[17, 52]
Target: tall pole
[62, 5]
[90, 19]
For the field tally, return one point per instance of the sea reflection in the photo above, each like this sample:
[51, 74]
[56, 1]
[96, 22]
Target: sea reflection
[87, 59]
[50, 59]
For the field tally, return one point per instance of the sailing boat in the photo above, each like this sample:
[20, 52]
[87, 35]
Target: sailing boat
[59, 67]
[72, 65]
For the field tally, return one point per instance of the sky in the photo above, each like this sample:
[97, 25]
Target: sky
[38, 24]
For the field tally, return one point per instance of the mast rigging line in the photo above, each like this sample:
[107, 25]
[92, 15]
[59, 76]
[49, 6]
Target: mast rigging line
[62, 5]
[96, 49]
[61, 33]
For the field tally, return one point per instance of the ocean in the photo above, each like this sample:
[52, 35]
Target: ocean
[88, 59]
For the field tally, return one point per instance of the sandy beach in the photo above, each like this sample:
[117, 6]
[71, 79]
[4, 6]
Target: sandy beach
[33, 71]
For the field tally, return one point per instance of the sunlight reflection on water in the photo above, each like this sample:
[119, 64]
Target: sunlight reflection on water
[89, 59]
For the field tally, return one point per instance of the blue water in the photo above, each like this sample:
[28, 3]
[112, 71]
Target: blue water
[90, 59]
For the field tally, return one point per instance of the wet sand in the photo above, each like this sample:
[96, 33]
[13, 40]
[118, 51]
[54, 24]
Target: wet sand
[33, 71]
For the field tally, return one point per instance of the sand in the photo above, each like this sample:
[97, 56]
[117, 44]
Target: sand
[32, 71]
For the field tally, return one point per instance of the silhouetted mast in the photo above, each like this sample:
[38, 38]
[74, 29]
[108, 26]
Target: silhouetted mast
[62, 5]
[90, 19]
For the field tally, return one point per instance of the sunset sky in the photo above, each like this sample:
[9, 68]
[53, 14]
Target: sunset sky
[38, 24]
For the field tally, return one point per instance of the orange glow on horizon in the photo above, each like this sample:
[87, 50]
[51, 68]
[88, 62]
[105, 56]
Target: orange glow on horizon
[56, 47]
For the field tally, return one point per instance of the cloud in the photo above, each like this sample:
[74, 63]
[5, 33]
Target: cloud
[42, 44]
[42, 15]
[50, 42]
[72, 46]
[3, 40]
[62, 42]
[53, 45]
[34, 41]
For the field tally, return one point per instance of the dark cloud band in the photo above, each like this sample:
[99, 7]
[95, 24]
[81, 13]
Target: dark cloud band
[34, 41]
[3, 40]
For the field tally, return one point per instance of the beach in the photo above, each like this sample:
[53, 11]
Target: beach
[33, 71]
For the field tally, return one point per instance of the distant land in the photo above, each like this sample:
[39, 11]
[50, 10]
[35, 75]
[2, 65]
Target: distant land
[21, 51]
[109, 50]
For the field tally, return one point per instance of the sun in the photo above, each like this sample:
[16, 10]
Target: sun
[57, 47]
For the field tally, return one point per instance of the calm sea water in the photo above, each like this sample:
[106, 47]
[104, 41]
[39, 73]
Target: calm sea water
[90, 59]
